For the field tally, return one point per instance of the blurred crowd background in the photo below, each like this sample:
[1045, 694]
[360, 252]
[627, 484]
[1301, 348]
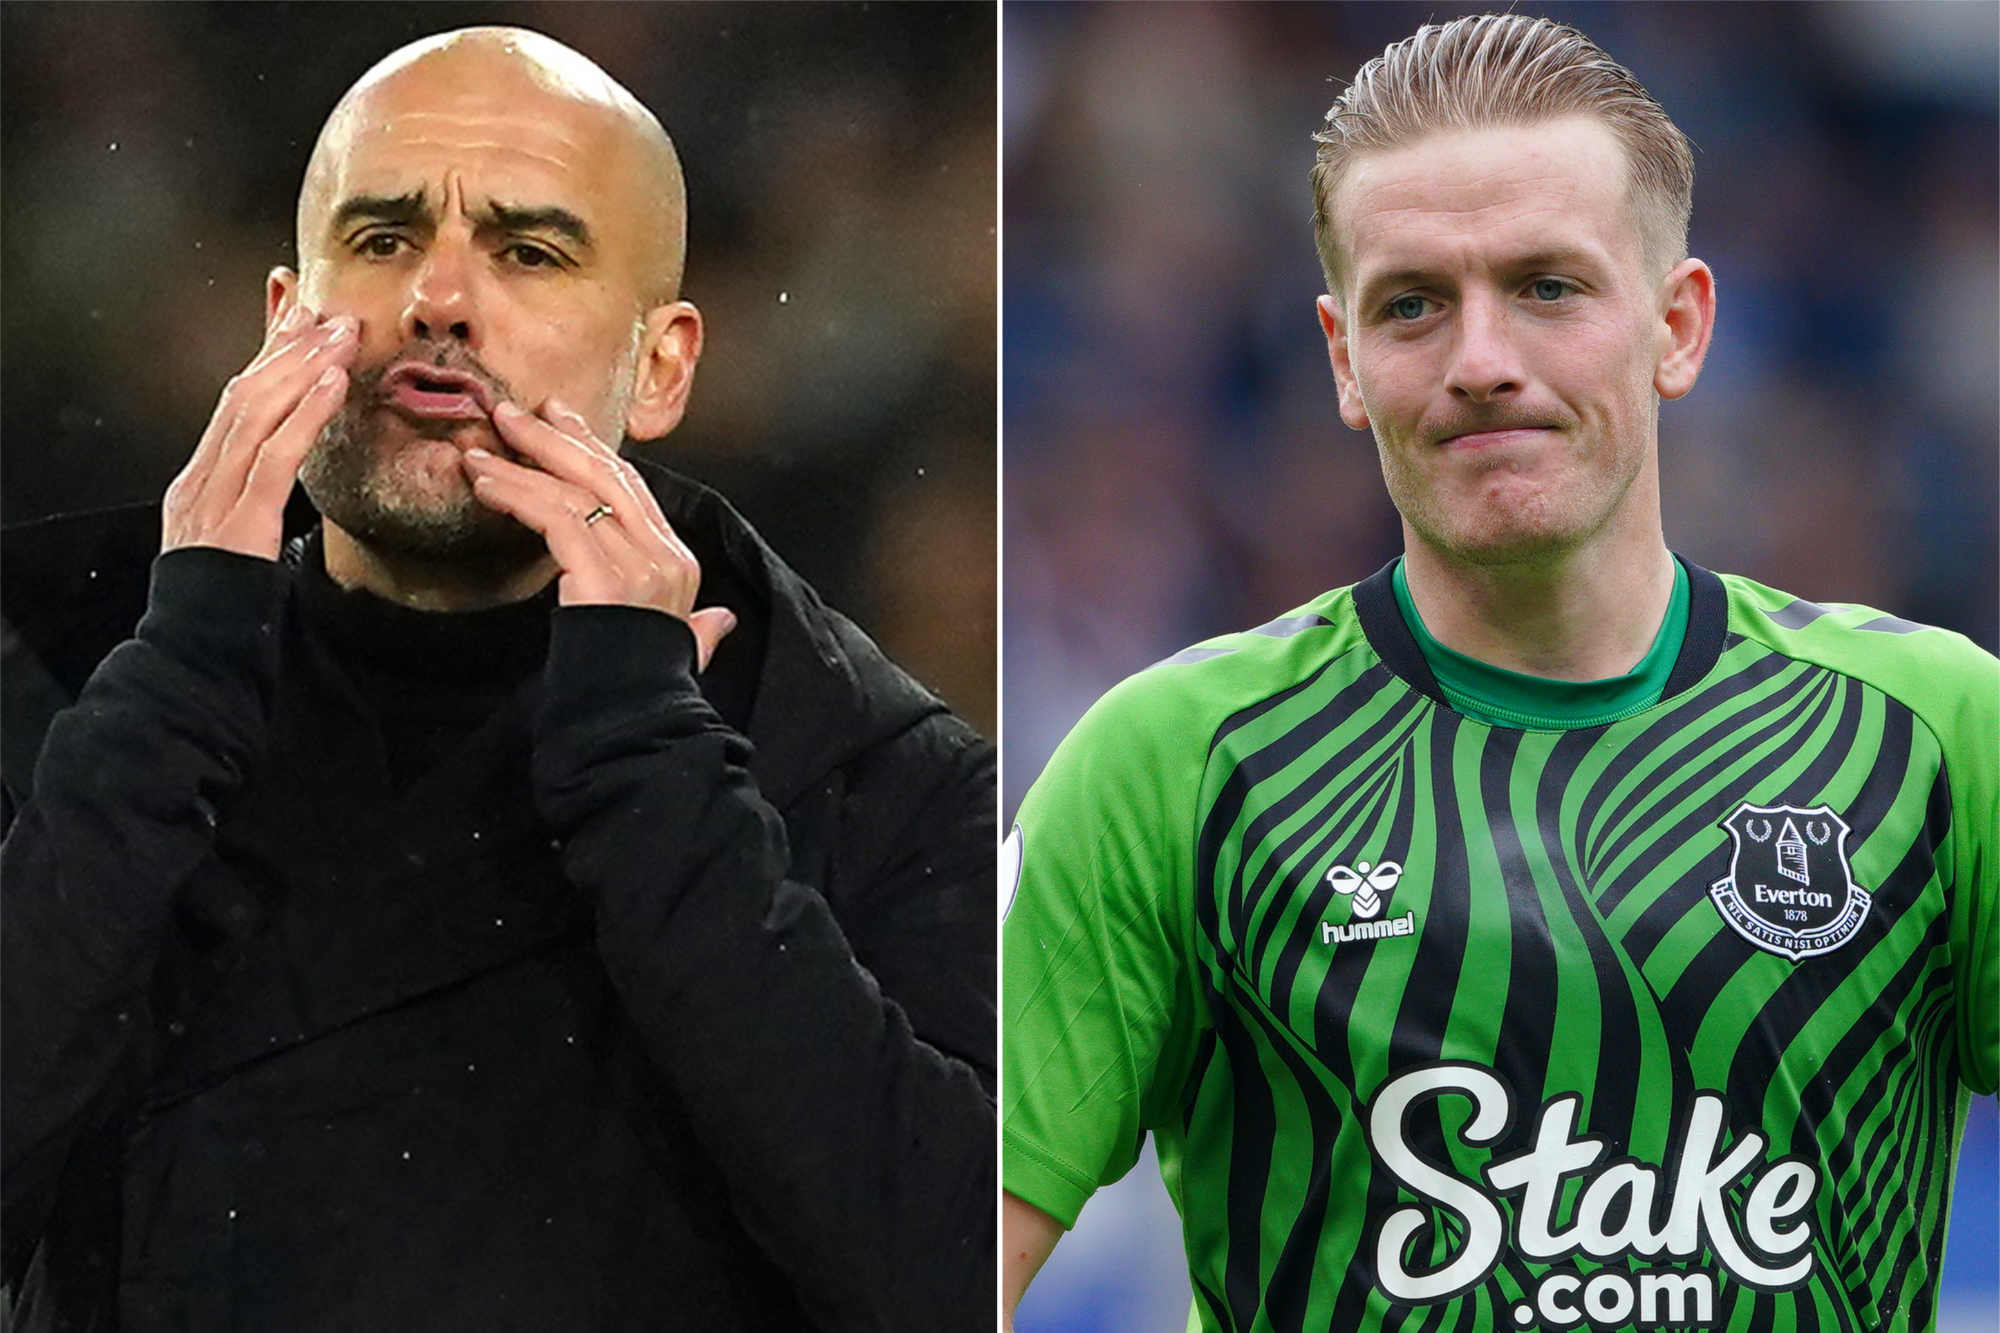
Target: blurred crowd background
[1175, 467]
[840, 162]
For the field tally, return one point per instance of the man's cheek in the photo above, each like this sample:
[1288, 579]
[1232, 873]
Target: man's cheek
[1391, 384]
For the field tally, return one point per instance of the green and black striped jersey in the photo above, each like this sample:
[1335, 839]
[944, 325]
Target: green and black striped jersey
[1444, 1026]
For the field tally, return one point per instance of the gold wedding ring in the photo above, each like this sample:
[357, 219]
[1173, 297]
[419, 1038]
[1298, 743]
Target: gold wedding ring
[595, 514]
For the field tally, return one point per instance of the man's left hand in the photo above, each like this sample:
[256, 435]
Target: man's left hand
[602, 525]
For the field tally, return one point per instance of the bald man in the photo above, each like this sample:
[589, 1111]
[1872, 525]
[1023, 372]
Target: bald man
[510, 898]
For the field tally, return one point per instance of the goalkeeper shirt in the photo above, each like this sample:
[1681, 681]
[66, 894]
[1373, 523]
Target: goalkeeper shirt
[1667, 1021]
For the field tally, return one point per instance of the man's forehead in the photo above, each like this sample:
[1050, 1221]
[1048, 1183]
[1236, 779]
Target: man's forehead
[420, 159]
[415, 141]
[562, 132]
[1565, 182]
[505, 115]
[506, 94]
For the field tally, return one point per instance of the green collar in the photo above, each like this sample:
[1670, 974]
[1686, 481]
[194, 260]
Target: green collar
[1503, 698]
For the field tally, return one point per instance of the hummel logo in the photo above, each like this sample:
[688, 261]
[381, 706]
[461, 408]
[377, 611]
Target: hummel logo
[1369, 887]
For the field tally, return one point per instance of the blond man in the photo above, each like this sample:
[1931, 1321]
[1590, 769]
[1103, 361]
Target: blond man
[1545, 930]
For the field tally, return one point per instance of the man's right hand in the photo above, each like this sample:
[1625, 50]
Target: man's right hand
[233, 490]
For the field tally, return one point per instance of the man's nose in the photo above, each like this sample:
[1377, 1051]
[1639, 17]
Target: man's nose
[441, 297]
[1487, 366]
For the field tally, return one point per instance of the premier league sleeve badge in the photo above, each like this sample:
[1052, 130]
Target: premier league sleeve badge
[1789, 890]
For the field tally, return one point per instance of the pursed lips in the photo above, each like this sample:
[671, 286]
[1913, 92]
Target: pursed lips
[437, 393]
[1487, 439]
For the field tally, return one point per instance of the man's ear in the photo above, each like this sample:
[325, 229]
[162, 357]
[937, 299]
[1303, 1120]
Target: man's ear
[281, 292]
[1332, 322]
[1687, 322]
[669, 347]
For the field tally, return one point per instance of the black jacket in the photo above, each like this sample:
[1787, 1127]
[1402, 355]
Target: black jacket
[608, 1022]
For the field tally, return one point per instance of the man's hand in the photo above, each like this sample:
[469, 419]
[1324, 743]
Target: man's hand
[233, 490]
[602, 525]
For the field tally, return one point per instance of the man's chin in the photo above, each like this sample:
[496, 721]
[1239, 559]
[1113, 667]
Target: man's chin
[418, 505]
[1504, 535]
[1504, 517]
[1515, 548]
[470, 536]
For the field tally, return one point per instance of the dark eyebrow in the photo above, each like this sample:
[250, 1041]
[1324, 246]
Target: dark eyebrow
[512, 217]
[403, 209]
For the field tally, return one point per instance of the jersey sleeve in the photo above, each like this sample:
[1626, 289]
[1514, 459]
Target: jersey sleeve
[1968, 727]
[1953, 686]
[1100, 1010]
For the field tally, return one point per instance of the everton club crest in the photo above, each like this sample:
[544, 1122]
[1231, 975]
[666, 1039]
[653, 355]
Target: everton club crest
[1789, 890]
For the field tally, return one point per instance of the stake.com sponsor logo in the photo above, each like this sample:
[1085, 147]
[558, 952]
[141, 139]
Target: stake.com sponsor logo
[1771, 1250]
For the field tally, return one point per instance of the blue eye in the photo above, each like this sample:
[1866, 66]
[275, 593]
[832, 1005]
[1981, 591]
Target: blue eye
[1408, 307]
[1549, 289]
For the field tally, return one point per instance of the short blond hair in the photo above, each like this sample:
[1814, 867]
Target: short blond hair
[1505, 69]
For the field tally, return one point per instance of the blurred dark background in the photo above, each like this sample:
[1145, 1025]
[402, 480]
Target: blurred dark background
[840, 162]
[1176, 467]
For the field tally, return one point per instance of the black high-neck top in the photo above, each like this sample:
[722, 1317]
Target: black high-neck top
[429, 678]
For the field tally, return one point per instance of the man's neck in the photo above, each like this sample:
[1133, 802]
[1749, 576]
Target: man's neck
[1589, 614]
[430, 585]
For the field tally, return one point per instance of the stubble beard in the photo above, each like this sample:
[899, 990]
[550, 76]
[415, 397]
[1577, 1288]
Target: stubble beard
[1552, 519]
[366, 476]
